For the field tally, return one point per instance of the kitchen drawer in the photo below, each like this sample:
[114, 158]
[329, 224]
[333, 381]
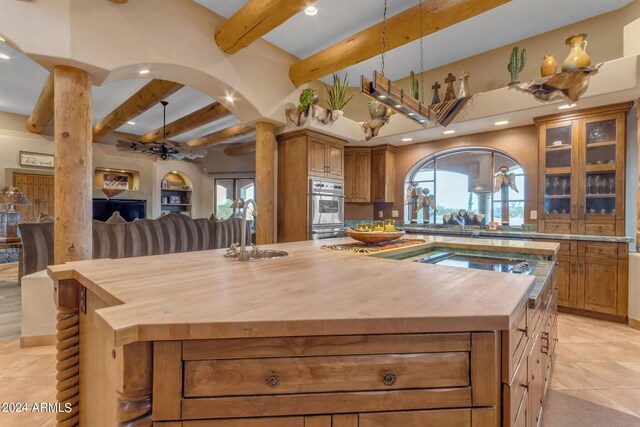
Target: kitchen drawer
[599, 250]
[514, 343]
[237, 377]
[514, 393]
[523, 412]
[558, 227]
[600, 229]
[248, 422]
[440, 418]
[566, 247]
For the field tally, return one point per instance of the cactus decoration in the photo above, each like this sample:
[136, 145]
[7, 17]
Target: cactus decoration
[516, 64]
[415, 86]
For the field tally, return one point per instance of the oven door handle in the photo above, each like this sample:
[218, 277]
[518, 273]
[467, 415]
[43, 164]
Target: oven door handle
[341, 196]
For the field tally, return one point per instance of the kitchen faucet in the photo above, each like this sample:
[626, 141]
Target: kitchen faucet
[460, 223]
[242, 254]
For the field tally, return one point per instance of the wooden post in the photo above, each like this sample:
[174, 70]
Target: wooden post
[265, 184]
[638, 213]
[73, 166]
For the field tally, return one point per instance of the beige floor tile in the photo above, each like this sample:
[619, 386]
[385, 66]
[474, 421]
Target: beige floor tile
[620, 351]
[634, 366]
[555, 384]
[565, 354]
[572, 375]
[630, 398]
[597, 397]
[615, 373]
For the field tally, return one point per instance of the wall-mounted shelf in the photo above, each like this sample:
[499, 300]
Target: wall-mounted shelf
[173, 188]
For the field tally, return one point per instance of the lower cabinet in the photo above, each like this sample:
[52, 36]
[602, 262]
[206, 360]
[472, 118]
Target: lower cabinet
[592, 276]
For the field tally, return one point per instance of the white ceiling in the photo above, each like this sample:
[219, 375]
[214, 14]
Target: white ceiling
[21, 79]
[336, 20]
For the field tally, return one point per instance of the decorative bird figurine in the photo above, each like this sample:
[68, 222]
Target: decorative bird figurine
[380, 114]
[503, 178]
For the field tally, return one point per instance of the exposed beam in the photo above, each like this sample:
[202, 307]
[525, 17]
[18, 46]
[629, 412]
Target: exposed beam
[42, 113]
[240, 149]
[402, 28]
[204, 115]
[220, 136]
[255, 19]
[152, 93]
[120, 1]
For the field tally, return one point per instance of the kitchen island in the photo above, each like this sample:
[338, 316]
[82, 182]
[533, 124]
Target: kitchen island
[318, 338]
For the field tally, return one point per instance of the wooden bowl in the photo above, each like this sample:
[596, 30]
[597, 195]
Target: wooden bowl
[371, 237]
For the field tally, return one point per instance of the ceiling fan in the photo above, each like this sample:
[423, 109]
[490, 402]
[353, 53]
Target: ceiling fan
[163, 149]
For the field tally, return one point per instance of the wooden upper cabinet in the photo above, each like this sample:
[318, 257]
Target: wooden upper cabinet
[582, 171]
[357, 175]
[383, 173]
[326, 157]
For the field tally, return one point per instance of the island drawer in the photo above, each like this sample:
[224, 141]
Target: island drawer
[514, 343]
[237, 377]
[243, 348]
[514, 393]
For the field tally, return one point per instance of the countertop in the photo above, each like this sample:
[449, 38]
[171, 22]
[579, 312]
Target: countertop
[313, 291]
[512, 234]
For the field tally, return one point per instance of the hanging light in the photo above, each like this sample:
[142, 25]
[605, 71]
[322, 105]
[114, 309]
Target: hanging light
[9, 217]
[385, 91]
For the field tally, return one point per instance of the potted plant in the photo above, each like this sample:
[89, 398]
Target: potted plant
[338, 95]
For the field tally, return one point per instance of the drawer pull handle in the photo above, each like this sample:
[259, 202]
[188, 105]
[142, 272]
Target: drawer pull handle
[525, 386]
[388, 378]
[524, 331]
[273, 380]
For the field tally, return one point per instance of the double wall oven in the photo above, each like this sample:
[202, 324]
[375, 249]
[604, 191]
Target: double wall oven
[326, 208]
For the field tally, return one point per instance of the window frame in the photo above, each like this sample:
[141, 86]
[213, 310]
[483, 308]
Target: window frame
[235, 188]
[445, 153]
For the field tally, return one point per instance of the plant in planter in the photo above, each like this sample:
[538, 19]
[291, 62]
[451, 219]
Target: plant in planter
[516, 64]
[298, 116]
[338, 95]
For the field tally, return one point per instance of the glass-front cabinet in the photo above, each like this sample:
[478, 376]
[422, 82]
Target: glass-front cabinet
[582, 169]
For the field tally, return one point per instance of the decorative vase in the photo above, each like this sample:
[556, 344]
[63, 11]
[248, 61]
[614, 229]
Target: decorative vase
[549, 66]
[338, 113]
[578, 57]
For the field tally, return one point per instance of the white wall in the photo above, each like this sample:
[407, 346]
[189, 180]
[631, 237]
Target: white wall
[632, 38]
[631, 187]
[14, 138]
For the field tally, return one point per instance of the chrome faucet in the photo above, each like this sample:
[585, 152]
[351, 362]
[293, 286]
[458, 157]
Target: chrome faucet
[460, 223]
[242, 254]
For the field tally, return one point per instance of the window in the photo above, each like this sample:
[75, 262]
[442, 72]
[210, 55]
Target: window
[229, 189]
[463, 180]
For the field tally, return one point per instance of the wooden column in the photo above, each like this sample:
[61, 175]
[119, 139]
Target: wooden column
[265, 183]
[638, 213]
[73, 167]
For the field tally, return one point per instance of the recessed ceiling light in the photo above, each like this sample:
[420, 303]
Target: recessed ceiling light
[502, 123]
[411, 114]
[131, 123]
[229, 98]
[566, 106]
[145, 71]
[397, 106]
[407, 139]
[3, 56]
[311, 10]
[382, 97]
[449, 132]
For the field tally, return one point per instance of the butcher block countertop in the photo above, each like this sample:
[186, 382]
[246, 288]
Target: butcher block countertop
[313, 291]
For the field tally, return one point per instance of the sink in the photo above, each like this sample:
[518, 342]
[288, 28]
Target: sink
[255, 254]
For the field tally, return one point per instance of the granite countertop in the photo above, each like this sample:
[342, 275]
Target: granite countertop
[476, 231]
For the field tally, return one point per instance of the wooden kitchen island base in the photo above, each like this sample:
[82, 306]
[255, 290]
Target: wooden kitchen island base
[414, 377]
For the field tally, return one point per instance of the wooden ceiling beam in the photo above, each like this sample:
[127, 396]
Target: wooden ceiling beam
[204, 115]
[42, 113]
[402, 28]
[255, 19]
[220, 136]
[240, 149]
[152, 93]
[120, 1]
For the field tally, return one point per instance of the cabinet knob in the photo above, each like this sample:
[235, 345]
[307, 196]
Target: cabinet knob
[388, 378]
[525, 386]
[273, 380]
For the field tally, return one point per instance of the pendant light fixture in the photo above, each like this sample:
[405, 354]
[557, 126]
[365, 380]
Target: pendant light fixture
[384, 90]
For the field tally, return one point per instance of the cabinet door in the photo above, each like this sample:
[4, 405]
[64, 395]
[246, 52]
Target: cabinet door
[599, 282]
[441, 418]
[567, 278]
[362, 172]
[377, 176]
[335, 160]
[602, 167]
[350, 177]
[536, 381]
[317, 157]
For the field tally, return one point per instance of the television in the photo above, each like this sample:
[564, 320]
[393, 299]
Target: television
[129, 209]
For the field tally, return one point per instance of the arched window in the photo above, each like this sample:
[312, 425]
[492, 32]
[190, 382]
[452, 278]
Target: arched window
[463, 179]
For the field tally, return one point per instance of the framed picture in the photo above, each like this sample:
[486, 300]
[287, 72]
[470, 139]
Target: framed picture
[164, 184]
[115, 181]
[174, 200]
[164, 200]
[36, 160]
